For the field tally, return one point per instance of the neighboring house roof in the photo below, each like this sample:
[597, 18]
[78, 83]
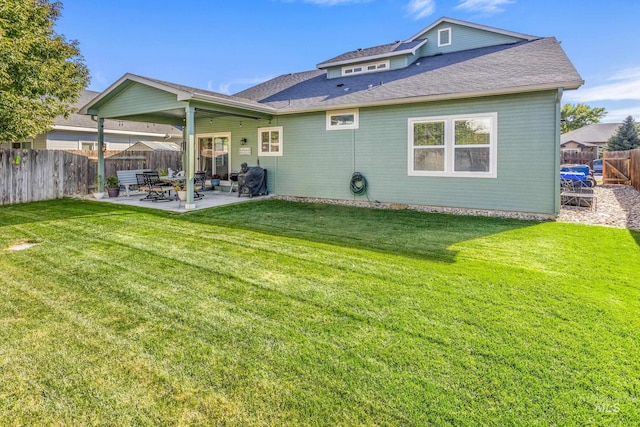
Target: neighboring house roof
[83, 123]
[594, 134]
[372, 53]
[514, 68]
[155, 146]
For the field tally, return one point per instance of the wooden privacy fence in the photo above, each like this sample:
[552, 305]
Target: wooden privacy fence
[621, 167]
[580, 158]
[130, 160]
[33, 175]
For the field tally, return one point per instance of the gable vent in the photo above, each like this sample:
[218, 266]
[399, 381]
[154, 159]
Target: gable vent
[444, 37]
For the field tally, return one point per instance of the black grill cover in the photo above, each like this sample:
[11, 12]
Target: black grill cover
[252, 181]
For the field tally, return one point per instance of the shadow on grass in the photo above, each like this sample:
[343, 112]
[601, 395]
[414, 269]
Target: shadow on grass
[396, 232]
[407, 233]
[629, 199]
[61, 209]
[636, 236]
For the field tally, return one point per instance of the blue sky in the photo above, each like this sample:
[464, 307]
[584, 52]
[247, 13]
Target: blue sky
[227, 46]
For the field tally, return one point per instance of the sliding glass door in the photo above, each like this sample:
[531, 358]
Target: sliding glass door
[213, 154]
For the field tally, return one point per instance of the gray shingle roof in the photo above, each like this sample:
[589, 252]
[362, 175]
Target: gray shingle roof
[397, 48]
[519, 67]
[597, 133]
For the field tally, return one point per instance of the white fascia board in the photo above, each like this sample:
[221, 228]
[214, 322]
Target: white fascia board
[115, 132]
[248, 105]
[443, 97]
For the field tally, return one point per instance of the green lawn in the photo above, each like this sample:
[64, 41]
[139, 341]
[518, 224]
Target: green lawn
[279, 313]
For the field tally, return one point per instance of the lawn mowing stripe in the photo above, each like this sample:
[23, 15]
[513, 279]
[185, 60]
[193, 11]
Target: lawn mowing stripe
[498, 332]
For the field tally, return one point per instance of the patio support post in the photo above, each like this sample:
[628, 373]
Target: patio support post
[100, 155]
[190, 154]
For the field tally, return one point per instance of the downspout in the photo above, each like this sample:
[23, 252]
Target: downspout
[557, 152]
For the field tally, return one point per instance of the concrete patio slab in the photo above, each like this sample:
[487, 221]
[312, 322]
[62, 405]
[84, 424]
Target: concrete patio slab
[210, 199]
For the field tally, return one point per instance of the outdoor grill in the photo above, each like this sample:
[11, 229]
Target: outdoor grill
[252, 181]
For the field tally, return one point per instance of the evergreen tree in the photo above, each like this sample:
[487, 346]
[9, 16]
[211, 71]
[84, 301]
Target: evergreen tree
[41, 73]
[625, 138]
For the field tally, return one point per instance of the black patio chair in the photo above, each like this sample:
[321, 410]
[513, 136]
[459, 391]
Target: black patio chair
[156, 189]
[199, 181]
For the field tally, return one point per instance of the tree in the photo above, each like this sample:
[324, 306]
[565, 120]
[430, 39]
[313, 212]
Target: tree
[625, 137]
[576, 116]
[41, 73]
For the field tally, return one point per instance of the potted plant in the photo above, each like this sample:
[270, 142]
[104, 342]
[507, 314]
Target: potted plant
[181, 192]
[215, 180]
[113, 186]
[97, 193]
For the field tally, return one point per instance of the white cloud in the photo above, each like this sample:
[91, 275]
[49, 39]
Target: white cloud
[225, 88]
[625, 86]
[618, 115]
[334, 2]
[626, 74]
[484, 6]
[421, 8]
[99, 80]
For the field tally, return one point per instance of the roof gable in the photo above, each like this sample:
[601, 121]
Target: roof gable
[461, 36]
[179, 93]
[77, 121]
[450, 21]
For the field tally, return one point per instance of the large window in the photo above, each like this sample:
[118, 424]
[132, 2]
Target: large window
[270, 141]
[463, 145]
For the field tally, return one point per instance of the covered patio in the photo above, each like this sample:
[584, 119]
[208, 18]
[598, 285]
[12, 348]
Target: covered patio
[207, 119]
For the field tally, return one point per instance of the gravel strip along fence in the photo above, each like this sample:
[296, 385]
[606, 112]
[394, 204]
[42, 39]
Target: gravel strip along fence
[617, 206]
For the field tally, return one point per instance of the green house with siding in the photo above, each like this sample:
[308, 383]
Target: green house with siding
[459, 115]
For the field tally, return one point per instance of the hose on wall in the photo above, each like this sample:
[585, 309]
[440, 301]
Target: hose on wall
[358, 184]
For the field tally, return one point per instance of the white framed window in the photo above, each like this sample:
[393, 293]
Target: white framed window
[369, 67]
[444, 37]
[23, 145]
[343, 119]
[89, 145]
[270, 141]
[457, 146]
